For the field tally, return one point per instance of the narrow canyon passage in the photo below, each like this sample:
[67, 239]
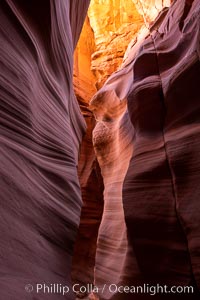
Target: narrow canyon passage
[141, 236]
[100, 138]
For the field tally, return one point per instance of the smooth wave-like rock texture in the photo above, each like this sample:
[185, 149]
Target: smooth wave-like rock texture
[41, 129]
[160, 79]
[95, 59]
[161, 190]
[92, 195]
[148, 151]
[97, 47]
[88, 168]
[113, 143]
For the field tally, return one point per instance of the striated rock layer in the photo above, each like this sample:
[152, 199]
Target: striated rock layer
[160, 80]
[112, 138]
[161, 191]
[92, 195]
[147, 230]
[113, 143]
[88, 168]
[41, 128]
[99, 52]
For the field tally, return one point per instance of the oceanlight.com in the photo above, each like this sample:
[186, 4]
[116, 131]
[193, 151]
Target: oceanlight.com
[57, 288]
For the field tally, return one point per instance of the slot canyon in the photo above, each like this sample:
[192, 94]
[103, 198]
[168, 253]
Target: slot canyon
[100, 149]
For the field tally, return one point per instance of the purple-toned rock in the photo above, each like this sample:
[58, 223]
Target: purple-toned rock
[150, 233]
[161, 190]
[41, 129]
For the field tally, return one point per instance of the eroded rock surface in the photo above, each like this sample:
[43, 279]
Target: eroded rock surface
[147, 229]
[151, 8]
[161, 193]
[99, 52]
[160, 80]
[84, 80]
[92, 195]
[41, 129]
[113, 143]
[114, 24]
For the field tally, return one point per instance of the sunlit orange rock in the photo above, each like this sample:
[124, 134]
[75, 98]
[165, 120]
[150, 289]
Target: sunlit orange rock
[83, 77]
[114, 24]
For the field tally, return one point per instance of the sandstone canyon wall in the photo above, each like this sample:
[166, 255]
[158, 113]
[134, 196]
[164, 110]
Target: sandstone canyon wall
[151, 206]
[138, 164]
[41, 129]
[120, 25]
[160, 194]
[95, 60]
